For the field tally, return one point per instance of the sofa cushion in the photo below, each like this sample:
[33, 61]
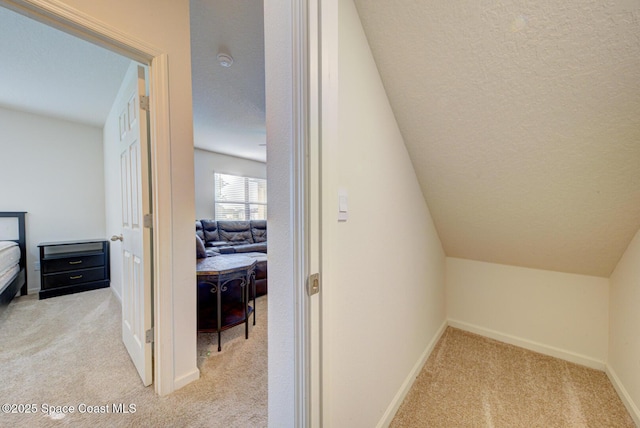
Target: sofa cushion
[210, 230]
[259, 230]
[215, 244]
[226, 250]
[248, 248]
[235, 232]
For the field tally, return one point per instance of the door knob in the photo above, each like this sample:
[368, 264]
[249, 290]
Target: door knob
[116, 238]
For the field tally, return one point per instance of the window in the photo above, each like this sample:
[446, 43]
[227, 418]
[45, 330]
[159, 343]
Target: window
[239, 198]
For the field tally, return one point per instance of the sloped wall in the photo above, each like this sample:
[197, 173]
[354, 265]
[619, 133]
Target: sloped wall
[383, 269]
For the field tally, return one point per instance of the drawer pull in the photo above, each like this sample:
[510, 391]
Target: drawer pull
[75, 277]
[77, 262]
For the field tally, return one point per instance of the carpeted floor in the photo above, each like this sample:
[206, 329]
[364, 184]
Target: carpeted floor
[67, 351]
[472, 381]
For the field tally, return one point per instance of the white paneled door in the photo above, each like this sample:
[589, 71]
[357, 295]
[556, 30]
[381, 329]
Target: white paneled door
[137, 333]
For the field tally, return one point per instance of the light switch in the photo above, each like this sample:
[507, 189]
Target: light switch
[343, 205]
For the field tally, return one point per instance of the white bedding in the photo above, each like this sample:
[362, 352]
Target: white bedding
[9, 258]
[7, 276]
[9, 255]
[7, 244]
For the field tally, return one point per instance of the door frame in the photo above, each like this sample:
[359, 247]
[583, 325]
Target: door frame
[288, 71]
[306, 179]
[76, 23]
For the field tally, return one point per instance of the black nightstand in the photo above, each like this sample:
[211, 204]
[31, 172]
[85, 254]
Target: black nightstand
[73, 266]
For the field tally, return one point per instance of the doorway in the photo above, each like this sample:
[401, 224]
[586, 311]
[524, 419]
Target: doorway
[71, 179]
[230, 170]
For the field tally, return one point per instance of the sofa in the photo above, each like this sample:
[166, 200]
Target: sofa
[230, 237]
[249, 238]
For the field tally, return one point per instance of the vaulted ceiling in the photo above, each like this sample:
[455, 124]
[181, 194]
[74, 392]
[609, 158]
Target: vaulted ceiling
[522, 120]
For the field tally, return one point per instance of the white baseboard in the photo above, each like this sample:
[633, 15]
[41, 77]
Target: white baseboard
[624, 395]
[115, 293]
[530, 345]
[186, 379]
[386, 419]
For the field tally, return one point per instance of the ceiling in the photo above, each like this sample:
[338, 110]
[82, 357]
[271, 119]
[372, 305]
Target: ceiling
[522, 120]
[46, 71]
[228, 103]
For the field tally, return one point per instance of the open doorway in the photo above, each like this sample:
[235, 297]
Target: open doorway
[230, 167]
[60, 114]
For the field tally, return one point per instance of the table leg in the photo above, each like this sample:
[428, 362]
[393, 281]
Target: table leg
[219, 314]
[253, 287]
[245, 300]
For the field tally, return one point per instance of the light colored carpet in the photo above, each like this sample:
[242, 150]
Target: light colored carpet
[67, 351]
[472, 381]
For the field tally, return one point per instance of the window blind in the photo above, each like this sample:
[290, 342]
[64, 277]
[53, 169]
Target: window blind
[239, 198]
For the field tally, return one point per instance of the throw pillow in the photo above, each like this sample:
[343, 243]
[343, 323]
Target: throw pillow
[200, 251]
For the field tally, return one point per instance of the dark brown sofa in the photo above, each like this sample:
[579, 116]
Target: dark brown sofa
[249, 238]
[228, 237]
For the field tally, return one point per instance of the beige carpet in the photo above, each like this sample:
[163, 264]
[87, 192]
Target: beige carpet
[472, 381]
[67, 351]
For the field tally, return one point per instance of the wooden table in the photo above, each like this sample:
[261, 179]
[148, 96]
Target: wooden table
[223, 295]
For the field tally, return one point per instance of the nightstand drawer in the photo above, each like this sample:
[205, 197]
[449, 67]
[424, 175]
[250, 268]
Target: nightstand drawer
[53, 280]
[69, 263]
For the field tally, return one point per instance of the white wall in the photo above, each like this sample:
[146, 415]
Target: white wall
[53, 170]
[559, 314]
[206, 163]
[383, 269]
[624, 325]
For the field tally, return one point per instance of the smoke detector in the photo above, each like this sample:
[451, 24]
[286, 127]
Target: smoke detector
[225, 59]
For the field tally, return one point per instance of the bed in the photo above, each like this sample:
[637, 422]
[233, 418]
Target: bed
[13, 256]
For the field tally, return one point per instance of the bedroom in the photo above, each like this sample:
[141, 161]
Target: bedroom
[52, 156]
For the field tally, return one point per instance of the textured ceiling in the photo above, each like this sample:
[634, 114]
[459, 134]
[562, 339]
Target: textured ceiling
[229, 105]
[46, 71]
[523, 123]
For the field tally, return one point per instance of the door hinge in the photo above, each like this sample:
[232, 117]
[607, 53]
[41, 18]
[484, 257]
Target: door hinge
[147, 221]
[313, 284]
[144, 102]
[149, 336]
